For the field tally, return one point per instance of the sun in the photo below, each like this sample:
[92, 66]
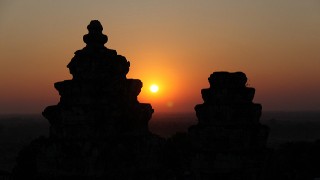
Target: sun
[154, 88]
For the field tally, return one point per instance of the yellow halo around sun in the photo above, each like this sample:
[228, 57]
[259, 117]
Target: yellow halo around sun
[154, 88]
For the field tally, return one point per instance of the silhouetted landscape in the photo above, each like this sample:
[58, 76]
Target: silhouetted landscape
[99, 130]
[17, 131]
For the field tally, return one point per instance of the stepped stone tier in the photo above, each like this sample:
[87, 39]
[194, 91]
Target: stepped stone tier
[98, 129]
[229, 141]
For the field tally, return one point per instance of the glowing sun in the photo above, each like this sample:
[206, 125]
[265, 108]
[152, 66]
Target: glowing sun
[154, 88]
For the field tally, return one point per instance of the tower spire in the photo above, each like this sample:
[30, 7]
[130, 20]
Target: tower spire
[95, 37]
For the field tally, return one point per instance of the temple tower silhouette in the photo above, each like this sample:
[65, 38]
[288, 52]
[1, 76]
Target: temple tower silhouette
[99, 101]
[98, 129]
[229, 142]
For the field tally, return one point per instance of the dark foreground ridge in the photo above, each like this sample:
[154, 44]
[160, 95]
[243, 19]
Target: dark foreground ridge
[99, 130]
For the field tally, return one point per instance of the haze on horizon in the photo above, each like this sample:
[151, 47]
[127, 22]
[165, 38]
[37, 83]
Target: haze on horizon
[175, 44]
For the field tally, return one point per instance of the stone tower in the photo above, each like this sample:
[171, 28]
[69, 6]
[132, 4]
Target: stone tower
[99, 101]
[98, 129]
[229, 141]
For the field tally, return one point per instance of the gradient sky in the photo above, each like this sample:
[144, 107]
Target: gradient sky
[175, 43]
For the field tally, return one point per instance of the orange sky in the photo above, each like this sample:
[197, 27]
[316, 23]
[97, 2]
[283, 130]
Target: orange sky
[176, 44]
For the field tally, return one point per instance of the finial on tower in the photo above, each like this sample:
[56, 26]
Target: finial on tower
[95, 36]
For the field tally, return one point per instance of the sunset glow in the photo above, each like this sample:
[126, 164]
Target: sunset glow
[276, 43]
[154, 88]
